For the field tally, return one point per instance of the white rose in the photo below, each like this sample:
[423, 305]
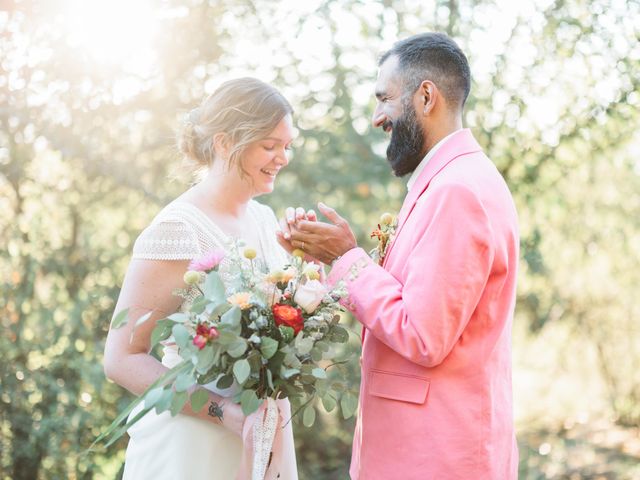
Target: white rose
[310, 295]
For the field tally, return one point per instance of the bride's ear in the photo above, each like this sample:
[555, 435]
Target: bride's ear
[221, 145]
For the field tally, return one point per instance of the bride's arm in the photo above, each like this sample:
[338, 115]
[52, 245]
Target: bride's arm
[148, 286]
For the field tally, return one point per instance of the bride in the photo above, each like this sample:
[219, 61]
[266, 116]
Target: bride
[241, 134]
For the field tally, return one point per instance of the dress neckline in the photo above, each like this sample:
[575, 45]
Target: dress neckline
[229, 238]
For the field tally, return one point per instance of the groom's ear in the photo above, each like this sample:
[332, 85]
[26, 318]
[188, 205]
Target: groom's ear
[428, 93]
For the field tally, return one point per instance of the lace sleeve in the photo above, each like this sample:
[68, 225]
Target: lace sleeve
[167, 240]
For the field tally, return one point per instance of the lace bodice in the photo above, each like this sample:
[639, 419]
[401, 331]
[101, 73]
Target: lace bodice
[181, 231]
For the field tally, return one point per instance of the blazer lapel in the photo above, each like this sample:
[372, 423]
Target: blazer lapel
[460, 143]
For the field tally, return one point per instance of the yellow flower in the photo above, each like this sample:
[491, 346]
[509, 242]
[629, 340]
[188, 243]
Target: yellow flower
[386, 219]
[240, 299]
[288, 274]
[298, 253]
[192, 277]
[250, 253]
[311, 271]
[275, 276]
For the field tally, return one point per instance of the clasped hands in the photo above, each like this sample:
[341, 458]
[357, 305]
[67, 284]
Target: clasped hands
[320, 241]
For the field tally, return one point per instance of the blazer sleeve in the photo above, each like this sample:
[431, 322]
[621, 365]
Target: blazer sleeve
[422, 314]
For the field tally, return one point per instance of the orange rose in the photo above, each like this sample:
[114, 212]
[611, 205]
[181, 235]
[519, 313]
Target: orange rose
[288, 316]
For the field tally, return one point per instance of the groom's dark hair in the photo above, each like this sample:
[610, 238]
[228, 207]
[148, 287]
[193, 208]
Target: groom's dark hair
[435, 57]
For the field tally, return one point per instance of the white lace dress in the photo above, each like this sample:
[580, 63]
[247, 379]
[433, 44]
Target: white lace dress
[183, 447]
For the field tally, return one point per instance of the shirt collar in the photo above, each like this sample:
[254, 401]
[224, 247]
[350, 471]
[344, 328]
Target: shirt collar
[423, 163]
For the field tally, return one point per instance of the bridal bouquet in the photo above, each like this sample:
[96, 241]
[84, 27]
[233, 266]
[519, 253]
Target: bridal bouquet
[269, 334]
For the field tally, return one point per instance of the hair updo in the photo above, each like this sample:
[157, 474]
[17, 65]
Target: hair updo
[245, 110]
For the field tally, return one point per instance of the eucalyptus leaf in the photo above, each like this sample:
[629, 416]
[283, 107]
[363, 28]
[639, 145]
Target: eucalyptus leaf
[289, 372]
[349, 404]
[309, 416]
[199, 304]
[204, 359]
[178, 401]
[184, 381]
[180, 335]
[319, 373]
[232, 317]
[178, 317]
[120, 319]
[329, 403]
[241, 370]
[304, 346]
[225, 381]
[164, 403]
[237, 348]
[338, 335]
[249, 402]
[161, 332]
[214, 288]
[198, 399]
[268, 347]
[152, 397]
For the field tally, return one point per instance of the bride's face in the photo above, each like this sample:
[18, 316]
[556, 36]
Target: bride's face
[264, 158]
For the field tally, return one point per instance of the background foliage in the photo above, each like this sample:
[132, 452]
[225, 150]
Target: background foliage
[87, 121]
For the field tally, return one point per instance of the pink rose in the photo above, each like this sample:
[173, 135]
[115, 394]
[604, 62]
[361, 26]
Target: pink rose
[207, 262]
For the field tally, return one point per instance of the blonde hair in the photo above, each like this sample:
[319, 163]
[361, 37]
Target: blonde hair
[246, 110]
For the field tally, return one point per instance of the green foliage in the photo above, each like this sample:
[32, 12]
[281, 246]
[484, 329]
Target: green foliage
[83, 168]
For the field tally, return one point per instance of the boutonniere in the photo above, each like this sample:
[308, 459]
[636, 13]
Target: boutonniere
[384, 233]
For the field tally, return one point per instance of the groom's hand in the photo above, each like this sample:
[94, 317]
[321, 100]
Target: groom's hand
[324, 241]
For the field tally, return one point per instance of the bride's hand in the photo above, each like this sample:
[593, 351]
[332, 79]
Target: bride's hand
[289, 222]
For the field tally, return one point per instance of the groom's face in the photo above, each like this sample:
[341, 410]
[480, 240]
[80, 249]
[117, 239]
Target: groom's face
[395, 114]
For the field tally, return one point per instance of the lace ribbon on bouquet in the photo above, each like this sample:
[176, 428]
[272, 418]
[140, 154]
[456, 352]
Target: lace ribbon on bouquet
[262, 443]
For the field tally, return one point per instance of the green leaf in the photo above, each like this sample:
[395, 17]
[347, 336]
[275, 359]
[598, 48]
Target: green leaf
[178, 401]
[225, 381]
[316, 354]
[309, 416]
[178, 317]
[249, 402]
[180, 335]
[304, 345]
[205, 359]
[289, 372]
[329, 403]
[198, 399]
[184, 381]
[270, 380]
[120, 319]
[319, 373]
[232, 317]
[349, 404]
[268, 347]
[164, 403]
[151, 398]
[161, 331]
[214, 288]
[237, 348]
[199, 304]
[338, 335]
[241, 370]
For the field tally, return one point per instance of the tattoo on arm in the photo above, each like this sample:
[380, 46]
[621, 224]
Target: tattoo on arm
[215, 410]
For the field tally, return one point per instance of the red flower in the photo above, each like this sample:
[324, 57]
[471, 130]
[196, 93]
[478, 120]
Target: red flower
[288, 316]
[200, 341]
[204, 334]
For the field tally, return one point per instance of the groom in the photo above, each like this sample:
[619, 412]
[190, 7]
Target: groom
[435, 397]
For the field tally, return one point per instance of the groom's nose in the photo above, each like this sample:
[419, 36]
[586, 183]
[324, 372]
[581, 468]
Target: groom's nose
[378, 118]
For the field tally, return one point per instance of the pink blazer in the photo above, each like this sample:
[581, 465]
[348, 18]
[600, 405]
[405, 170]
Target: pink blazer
[435, 397]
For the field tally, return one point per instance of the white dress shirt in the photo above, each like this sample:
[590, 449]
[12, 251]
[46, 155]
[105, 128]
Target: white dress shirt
[423, 163]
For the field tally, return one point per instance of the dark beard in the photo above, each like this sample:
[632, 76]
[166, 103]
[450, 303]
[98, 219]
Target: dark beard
[406, 147]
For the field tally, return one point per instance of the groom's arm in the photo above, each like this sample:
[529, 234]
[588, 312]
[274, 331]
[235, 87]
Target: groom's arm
[448, 257]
